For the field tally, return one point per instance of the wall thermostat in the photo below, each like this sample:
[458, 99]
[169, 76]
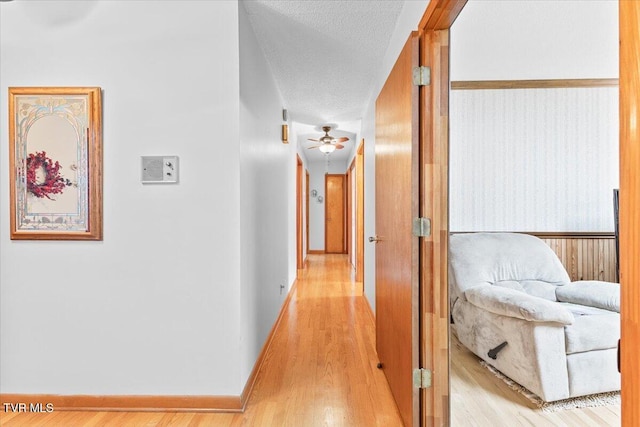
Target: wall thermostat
[159, 169]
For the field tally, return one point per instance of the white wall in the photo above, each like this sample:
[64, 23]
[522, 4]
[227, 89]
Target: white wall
[534, 159]
[532, 39]
[412, 12]
[154, 308]
[317, 172]
[265, 198]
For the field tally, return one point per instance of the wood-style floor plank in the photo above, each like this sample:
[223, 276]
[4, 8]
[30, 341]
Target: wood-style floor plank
[319, 371]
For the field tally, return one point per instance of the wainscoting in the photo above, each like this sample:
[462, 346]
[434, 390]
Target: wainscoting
[585, 256]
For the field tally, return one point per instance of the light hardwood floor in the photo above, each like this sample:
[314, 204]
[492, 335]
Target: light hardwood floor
[479, 399]
[319, 371]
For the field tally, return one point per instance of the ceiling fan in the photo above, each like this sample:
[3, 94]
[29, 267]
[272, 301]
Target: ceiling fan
[328, 144]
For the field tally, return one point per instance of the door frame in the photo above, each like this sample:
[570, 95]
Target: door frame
[299, 215]
[434, 203]
[306, 212]
[355, 213]
[629, 22]
[440, 15]
[350, 211]
[359, 232]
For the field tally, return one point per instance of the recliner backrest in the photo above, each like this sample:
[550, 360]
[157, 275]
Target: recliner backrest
[517, 261]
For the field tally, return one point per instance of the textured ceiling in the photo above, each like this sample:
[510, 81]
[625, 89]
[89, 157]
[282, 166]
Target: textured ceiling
[324, 55]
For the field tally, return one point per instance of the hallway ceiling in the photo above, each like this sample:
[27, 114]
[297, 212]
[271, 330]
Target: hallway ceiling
[323, 55]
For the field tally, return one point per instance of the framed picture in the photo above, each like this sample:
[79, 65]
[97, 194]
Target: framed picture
[55, 152]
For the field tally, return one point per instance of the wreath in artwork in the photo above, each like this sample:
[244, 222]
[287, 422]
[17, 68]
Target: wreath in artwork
[43, 176]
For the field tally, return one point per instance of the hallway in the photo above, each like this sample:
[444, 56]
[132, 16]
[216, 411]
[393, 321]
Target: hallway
[320, 369]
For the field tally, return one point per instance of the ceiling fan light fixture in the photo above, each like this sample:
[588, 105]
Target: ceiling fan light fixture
[327, 148]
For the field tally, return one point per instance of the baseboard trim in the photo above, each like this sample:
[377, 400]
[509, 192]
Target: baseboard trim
[111, 403]
[127, 403]
[316, 252]
[369, 309]
[244, 398]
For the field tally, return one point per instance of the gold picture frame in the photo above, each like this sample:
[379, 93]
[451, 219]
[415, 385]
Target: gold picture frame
[55, 155]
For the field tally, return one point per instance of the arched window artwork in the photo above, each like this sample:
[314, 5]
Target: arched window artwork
[56, 163]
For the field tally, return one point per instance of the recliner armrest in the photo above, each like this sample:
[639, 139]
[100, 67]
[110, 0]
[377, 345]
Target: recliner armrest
[592, 293]
[513, 303]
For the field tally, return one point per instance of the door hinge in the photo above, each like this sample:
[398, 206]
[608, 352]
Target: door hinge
[422, 76]
[421, 378]
[422, 227]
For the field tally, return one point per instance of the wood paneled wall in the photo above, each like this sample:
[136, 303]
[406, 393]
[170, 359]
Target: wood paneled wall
[585, 257]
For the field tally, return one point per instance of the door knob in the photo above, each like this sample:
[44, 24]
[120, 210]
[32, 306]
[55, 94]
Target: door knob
[374, 239]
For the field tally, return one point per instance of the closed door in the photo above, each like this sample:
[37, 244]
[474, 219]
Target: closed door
[334, 227]
[396, 152]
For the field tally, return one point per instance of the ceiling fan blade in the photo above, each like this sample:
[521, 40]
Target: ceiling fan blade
[339, 146]
[314, 140]
[314, 146]
[342, 139]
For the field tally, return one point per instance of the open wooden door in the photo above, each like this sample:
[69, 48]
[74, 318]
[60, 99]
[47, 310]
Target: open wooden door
[396, 151]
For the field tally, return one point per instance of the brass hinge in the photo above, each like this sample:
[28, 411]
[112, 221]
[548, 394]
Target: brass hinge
[421, 378]
[422, 227]
[422, 76]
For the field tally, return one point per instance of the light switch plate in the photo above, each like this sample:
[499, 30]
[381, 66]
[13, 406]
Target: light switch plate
[159, 169]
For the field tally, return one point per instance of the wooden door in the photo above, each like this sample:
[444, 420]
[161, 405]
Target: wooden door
[334, 227]
[396, 249]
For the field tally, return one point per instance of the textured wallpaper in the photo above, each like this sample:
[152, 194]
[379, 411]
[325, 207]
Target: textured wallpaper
[533, 159]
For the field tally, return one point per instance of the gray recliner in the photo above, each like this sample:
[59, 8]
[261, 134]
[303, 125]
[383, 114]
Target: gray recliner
[561, 336]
